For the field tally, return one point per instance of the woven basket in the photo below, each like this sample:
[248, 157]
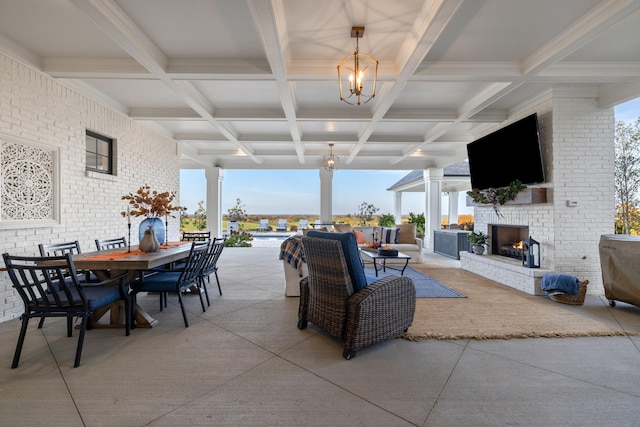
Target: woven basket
[572, 299]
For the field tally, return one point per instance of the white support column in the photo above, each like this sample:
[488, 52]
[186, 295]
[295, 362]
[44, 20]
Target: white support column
[453, 206]
[433, 203]
[214, 177]
[326, 196]
[397, 206]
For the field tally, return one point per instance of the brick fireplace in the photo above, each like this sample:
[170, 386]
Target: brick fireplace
[529, 215]
[576, 136]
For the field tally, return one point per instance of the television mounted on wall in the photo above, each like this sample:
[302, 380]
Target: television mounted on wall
[513, 152]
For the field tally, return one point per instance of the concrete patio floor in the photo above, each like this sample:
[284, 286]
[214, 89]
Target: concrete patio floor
[244, 362]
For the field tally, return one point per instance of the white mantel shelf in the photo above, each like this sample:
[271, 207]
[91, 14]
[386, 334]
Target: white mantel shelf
[506, 271]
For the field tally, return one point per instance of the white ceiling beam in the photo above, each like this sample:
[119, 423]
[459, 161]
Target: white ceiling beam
[271, 26]
[586, 28]
[112, 19]
[426, 29]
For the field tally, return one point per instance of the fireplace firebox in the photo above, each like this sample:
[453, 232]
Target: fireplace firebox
[506, 240]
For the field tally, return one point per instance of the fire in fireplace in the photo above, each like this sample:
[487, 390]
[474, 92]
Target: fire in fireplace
[512, 251]
[506, 240]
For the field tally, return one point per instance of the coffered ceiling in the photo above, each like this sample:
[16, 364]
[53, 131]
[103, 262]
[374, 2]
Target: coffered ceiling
[253, 84]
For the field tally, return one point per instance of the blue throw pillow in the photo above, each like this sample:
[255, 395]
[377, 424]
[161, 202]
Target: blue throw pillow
[389, 235]
[350, 249]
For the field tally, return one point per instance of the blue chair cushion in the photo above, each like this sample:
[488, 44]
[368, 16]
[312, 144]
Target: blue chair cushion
[101, 295]
[160, 282]
[97, 296]
[350, 249]
[371, 279]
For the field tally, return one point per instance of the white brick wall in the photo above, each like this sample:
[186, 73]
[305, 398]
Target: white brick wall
[36, 108]
[577, 141]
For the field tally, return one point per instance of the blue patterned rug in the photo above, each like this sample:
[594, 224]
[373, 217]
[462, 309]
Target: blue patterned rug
[426, 287]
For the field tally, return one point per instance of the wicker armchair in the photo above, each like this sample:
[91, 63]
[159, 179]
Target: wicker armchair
[330, 299]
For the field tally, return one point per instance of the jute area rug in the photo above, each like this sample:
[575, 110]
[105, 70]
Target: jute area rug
[493, 311]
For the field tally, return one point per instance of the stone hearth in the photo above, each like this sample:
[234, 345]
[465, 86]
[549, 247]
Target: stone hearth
[509, 272]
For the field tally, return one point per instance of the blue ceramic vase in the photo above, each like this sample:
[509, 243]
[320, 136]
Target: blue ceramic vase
[154, 224]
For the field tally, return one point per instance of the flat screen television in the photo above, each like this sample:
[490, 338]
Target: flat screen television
[511, 153]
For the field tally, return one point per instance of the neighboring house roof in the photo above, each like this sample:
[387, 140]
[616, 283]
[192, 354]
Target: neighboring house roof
[456, 178]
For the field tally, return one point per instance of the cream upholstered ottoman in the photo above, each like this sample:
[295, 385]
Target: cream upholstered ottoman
[292, 278]
[295, 267]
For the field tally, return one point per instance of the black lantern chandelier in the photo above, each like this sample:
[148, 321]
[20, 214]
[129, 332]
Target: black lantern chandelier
[362, 70]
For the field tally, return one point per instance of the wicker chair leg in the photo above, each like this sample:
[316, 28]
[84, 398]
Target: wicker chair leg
[348, 353]
[304, 304]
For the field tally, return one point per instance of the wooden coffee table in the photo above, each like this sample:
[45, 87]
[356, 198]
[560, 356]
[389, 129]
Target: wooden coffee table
[375, 257]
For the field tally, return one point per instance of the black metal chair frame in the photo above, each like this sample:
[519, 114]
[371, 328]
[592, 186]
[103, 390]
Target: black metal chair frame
[210, 264]
[49, 287]
[188, 275]
[112, 243]
[191, 236]
[59, 249]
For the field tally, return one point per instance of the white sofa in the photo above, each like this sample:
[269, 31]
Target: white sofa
[408, 242]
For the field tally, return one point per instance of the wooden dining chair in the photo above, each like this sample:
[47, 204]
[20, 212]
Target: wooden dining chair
[177, 281]
[112, 243]
[49, 287]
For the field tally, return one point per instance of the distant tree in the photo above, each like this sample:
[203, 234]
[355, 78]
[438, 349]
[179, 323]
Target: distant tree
[634, 221]
[627, 171]
[237, 213]
[365, 213]
[419, 220]
[386, 220]
[184, 218]
[200, 216]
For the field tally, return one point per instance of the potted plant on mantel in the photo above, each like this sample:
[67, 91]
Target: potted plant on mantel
[478, 242]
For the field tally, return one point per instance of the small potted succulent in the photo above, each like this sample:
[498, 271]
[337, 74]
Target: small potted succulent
[478, 242]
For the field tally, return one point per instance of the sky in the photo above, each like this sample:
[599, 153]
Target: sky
[291, 192]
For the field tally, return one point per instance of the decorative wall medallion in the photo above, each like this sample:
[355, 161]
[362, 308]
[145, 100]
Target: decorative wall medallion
[28, 191]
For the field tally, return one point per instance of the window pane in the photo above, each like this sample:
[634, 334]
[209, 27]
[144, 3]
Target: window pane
[91, 144]
[102, 148]
[103, 163]
[91, 160]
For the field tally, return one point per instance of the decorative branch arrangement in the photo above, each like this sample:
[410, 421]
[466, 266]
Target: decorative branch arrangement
[151, 204]
[497, 196]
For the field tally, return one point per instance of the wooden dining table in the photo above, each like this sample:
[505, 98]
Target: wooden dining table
[114, 262]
